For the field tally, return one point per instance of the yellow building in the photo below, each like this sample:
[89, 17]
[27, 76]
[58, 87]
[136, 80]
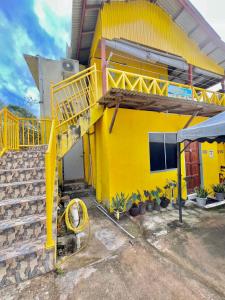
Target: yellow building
[155, 65]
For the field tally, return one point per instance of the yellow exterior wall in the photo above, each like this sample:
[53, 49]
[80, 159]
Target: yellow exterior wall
[147, 24]
[123, 159]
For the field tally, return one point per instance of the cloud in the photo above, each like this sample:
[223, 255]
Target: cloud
[34, 27]
[58, 27]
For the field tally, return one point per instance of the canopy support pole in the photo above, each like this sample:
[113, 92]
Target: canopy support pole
[179, 182]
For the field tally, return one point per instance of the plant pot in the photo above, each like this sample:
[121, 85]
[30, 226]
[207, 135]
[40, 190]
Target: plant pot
[219, 196]
[201, 201]
[134, 211]
[142, 208]
[164, 202]
[118, 214]
[156, 206]
[149, 205]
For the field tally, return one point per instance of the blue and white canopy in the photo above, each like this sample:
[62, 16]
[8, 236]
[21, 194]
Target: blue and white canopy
[211, 130]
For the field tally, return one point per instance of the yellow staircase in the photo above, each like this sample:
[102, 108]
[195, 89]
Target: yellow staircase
[75, 108]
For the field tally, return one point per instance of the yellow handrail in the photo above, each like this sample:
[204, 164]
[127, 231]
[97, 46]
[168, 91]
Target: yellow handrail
[50, 164]
[149, 85]
[73, 96]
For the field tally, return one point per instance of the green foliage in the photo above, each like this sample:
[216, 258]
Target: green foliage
[121, 202]
[1, 104]
[201, 192]
[171, 184]
[156, 195]
[147, 194]
[20, 111]
[218, 188]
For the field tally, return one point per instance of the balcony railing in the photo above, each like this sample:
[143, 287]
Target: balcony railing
[119, 79]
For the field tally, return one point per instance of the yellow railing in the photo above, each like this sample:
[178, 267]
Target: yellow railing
[34, 132]
[9, 131]
[144, 84]
[18, 132]
[50, 164]
[74, 96]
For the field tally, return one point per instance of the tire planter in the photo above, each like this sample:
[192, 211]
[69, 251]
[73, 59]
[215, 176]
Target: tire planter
[149, 205]
[164, 202]
[156, 206]
[219, 196]
[201, 201]
[142, 208]
[134, 211]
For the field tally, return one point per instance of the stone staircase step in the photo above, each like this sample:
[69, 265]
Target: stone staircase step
[22, 229]
[22, 189]
[23, 174]
[19, 163]
[25, 260]
[21, 207]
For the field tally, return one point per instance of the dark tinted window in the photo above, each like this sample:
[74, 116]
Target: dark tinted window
[163, 151]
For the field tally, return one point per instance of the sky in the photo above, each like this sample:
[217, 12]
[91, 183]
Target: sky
[35, 27]
[42, 27]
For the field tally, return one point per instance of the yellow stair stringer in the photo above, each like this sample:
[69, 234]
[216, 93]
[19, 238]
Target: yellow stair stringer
[67, 138]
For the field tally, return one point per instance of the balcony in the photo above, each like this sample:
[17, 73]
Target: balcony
[135, 91]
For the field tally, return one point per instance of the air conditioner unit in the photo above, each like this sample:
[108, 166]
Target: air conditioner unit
[69, 67]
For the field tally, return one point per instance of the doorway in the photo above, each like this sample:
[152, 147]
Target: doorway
[192, 163]
[73, 163]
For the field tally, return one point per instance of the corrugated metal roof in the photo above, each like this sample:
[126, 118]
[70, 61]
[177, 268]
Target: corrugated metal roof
[181, 11]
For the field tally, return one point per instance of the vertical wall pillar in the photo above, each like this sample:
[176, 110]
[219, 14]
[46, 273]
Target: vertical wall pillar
[190, 74]
[103, 66]
[179, 179]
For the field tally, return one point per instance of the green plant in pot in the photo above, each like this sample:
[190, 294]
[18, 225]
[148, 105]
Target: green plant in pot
[156, 196]
[134, 210]
[121, 204]
[202, 194]
[219, 190]
[148, 200]
[170, 189]
[141, 205]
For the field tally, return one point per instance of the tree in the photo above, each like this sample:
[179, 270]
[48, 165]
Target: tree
[20, 111]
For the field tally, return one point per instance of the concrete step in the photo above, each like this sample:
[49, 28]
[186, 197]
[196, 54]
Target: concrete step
[28, 228]
[25, 260]
[20, 175]
[22, 189]
[21, 207]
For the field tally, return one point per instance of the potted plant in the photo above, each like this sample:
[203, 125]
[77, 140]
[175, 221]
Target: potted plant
[170, 187]
[219, 190]
[134, 210]
[148, 201]
[141, 205]
[121, 204]
[156, 196]
[201, 196]
[164, 201]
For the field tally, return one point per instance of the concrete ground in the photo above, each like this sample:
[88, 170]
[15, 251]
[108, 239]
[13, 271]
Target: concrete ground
[164, 261]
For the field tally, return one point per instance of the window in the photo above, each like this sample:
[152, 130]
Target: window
[163, 151]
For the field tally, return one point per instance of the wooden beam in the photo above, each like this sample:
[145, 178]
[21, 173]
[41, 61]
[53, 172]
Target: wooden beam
[87, 32]
[145, 105]
[93, 7]
[169, 108]
[114, 116]
[190, 119]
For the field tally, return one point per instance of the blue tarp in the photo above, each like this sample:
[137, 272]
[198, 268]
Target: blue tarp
[210, 130]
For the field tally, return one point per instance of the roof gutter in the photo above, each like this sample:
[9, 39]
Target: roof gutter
[147, 54]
